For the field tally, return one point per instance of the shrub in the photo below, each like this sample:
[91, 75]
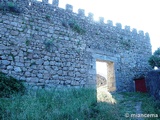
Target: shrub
[76, 27]
[9, 6]
[48, 17]
[10, 85]
[154, 60]
[48, 44]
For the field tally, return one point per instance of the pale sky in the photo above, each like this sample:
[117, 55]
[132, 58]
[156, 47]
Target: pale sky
[139, 14]
[101, 68]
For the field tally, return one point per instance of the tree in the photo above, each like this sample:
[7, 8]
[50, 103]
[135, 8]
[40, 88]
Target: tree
[154, 60]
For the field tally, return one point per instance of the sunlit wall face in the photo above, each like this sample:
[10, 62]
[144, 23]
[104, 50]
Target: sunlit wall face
[139, 14]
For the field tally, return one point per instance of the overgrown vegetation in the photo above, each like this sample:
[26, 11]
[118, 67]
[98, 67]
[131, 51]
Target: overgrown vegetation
[154, 60]
[74, 26]
[10, 86]
[126, 44]
[48, 17]
[9, 6]
[49, 44]
[33, 63]
[69, 104]
[149, 105]
[65, 24]
[50, 105]
[27, 42]
[72, 104]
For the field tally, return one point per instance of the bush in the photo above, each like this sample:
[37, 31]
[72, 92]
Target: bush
[10, 85]
[9, 6]
[154, 60]
[74, 104]
[76, 27]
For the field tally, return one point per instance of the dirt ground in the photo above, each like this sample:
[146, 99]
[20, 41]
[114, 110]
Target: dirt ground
[127, 103]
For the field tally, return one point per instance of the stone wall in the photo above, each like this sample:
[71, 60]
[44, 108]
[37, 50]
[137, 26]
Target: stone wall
[47, 46]
[101, 80]
[153, 83]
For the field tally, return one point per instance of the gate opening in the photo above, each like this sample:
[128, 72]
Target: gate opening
[105, 75]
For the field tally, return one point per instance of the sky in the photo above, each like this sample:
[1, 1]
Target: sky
[101, 68]
[139, 14]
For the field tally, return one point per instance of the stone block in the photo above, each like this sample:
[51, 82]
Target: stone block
[34, 80]
[46, 63]
[40, 75]
[5, 62]
[14, 33]
[75, 83]
[17, 69]
[19, 64]
[9, 67]
[52, 63]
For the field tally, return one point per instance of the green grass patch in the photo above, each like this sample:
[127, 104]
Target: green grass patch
[49, 105]
[151, 106]
[72, 104]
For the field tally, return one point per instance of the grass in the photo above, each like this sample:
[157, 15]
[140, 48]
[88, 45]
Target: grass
[149, 105]
[73, 104]
[48, 105]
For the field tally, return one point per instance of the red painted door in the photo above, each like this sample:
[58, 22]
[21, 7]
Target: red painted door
[140, 85]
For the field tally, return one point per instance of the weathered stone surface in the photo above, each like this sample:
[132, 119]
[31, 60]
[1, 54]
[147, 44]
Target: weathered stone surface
[52, 62]
[19, 64]
[46, 63]
[17, 69]
[15, 33]
[101, 81]
[48, 68]
[29, 51]
[9, 67]
[5, 62]
[153, 83]
[75, 83]
[39, 62]
[49, 51]
[40, 75]
[34, 80]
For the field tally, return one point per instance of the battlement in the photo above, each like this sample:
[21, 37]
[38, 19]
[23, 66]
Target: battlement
[47, 46]
[80, 14]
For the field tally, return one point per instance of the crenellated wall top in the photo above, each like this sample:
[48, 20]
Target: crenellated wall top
[81, 14]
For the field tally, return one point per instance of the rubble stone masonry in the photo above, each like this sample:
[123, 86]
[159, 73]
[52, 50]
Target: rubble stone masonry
[47, 46]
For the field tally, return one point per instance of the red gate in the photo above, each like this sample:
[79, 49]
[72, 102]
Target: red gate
[140, 85]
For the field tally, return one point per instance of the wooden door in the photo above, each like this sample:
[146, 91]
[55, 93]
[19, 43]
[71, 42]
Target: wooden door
[140, 85]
